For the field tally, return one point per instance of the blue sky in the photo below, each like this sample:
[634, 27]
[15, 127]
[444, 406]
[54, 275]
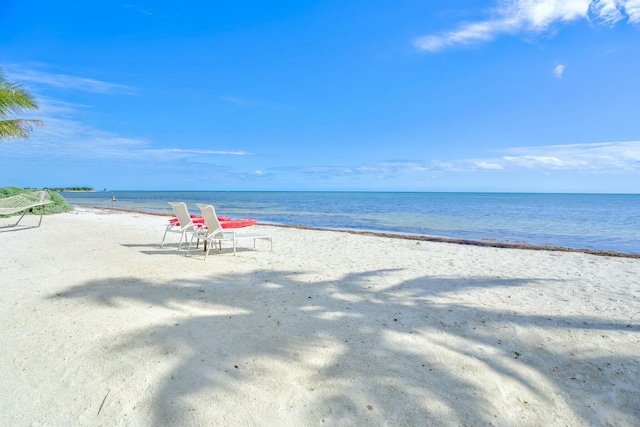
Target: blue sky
[496, 95]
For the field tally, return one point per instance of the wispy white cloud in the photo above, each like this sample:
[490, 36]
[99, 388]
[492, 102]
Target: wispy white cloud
[65, 81]
[597, 158]
[608, 157]
[65, 137]
[190, 152]
[386, 168]
[241, 102]
[487, 165]
[559, 71]
[323, 171]
[253, 103]
[532, 16]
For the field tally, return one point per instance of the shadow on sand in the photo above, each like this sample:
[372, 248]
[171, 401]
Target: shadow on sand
[388, 350]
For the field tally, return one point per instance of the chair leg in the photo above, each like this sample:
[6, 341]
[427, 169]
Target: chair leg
[211, 243]
[181, 239]
[41, 213]
[165, 235]
[191, 243]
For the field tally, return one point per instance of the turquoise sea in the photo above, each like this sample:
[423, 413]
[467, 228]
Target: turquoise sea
[606, 222]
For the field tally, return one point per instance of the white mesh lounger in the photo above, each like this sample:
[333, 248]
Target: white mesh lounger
[183, 226]
[213, 233]
[24, 203]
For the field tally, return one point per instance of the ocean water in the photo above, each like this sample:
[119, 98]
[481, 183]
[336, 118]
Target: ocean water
[606, 222]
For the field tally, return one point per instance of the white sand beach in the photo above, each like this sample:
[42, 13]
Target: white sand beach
[102, 327]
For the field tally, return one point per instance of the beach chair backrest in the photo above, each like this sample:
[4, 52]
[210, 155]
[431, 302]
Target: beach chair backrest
[181, 211]
[210, 218]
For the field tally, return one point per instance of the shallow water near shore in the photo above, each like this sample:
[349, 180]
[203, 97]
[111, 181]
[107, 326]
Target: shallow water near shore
[601, 222]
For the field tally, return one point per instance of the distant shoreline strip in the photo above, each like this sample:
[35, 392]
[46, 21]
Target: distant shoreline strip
[414, 237]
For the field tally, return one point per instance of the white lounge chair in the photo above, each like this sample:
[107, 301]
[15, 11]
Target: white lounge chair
[183, 226]
[214, 234]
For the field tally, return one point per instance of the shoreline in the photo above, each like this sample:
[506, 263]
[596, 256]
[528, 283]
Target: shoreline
[416, 237]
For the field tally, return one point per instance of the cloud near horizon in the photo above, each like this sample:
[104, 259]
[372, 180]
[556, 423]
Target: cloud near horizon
[532, 16]
[606, 157]
[595, 158]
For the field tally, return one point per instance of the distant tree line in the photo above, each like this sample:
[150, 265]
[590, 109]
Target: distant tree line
[59, 189]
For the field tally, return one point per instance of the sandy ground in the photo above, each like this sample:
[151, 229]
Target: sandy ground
[102, 327]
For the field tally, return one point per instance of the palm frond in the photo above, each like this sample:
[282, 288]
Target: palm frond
[14, 99]
[18, 128]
